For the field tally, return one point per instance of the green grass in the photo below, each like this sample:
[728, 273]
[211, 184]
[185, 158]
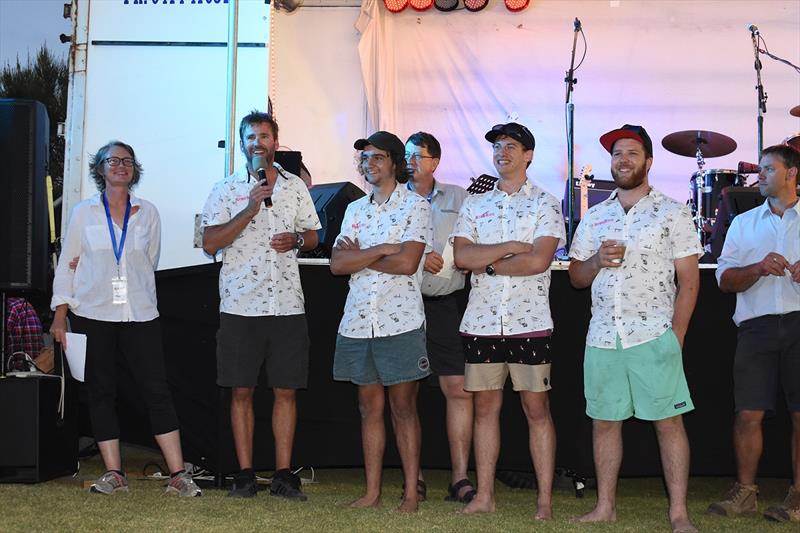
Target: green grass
[60, 506]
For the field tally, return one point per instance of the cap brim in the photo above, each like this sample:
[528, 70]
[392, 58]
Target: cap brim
[360, 144]
[608, 139]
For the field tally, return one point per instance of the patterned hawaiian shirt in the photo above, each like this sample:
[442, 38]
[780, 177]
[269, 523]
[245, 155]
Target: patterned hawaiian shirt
[509, 305]
[255, 280]
[635, 301]
[380, 304]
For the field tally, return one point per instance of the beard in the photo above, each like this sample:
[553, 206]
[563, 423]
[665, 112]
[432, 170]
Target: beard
[635, 179]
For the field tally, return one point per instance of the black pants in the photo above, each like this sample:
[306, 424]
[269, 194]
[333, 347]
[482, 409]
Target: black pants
[139, 345]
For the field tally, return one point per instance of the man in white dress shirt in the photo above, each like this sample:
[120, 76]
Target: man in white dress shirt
[507, 237]
[760, 262]
[442, 294]
[262, 313]
[629, 249]
[381, 342]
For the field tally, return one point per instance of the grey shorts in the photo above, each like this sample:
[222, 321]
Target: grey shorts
[244, 343]
[385, 360]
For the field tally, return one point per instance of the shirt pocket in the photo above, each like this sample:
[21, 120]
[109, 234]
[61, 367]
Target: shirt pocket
[141, 239]
[97, 237]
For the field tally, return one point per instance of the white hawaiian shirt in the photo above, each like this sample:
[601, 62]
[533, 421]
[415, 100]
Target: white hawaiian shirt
[636, 300]
[380, 304]
[509, 305]
[255, 280]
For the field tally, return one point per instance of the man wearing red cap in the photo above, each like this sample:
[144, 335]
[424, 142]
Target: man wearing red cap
[381, 342]
[629, 249]
[507, 237]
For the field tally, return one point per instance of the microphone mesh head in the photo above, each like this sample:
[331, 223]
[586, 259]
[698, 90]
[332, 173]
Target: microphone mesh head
[446, 5]
[259, 161]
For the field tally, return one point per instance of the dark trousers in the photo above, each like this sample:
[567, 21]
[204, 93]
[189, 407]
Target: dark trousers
[138, 344]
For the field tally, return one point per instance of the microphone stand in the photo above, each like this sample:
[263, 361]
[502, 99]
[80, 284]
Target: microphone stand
[762, 96]
[570, 80]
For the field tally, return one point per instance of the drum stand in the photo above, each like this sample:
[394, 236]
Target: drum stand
[698, 206]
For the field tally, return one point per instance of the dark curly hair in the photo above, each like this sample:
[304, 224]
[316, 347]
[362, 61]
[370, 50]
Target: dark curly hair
[97, 160]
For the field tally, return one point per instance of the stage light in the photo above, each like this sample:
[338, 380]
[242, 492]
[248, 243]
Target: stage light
[516, 5]
[445, 5]
[475, 5]
[420, 5]
[395, 6]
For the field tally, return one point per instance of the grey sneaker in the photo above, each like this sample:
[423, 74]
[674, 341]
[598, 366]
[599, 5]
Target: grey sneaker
[109, 483]
[184, 486]
[741, 500]
[788, 511]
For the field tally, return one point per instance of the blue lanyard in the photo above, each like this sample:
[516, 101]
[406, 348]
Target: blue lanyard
[117, 251]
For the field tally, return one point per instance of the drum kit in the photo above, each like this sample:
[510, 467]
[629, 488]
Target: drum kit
[706, 184]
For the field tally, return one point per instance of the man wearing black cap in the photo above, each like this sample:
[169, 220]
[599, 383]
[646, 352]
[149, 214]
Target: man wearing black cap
[507, 237]
[629, 249]
[381, 340]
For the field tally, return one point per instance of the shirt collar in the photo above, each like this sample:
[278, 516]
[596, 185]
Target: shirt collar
[95, 200]
[392, 197]
[526, 188]
[765, 210]
[435, 190]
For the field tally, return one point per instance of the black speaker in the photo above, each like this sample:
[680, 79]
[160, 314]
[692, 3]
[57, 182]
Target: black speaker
[331, 201]
[24, 137]
[37, 444]
[289, 160]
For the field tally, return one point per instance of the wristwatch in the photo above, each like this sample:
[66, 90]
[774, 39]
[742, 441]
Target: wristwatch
[490, 269]
[300, 241]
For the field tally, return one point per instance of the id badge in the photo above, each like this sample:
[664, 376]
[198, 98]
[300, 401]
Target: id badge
[119, 290]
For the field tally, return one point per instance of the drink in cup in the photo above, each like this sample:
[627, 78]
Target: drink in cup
[621, 243]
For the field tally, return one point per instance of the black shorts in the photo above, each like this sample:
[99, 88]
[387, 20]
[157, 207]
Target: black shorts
[767, 354]
[244, 343]
[445, 347]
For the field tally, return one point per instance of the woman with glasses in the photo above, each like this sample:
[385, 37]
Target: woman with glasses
[105, 279]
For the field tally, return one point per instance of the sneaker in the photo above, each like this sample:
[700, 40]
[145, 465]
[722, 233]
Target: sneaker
[109, 483]
[741, 500]
[788, 511]
[288, 485]
[243, 487]
[183, 485]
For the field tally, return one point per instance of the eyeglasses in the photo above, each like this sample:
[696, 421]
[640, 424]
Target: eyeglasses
[418, 157]
[115, 161]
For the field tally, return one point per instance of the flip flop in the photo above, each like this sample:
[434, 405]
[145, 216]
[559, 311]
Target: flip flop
[455, 488]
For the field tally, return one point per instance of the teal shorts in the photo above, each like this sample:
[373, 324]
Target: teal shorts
[645, 381]
[386, 360]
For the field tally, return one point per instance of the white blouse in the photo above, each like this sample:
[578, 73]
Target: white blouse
[87, 290]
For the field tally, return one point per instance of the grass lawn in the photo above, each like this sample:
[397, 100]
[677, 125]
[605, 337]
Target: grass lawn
[64, 506]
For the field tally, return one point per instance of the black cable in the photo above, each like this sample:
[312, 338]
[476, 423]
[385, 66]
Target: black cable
[585, 49]
[767, 53]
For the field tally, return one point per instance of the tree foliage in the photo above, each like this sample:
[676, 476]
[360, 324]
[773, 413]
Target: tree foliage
[44, 79]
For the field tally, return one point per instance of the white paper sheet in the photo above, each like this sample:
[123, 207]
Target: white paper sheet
[76, 354]
[449, 263]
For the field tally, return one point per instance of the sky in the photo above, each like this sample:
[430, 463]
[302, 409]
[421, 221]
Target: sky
[25, 25]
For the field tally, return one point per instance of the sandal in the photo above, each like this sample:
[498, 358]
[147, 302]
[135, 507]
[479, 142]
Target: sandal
[422, 491]
[455, 488]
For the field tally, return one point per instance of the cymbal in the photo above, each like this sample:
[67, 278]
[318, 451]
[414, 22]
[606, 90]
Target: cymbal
[685, 143]
[795, 111]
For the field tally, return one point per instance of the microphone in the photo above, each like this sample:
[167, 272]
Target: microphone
[260, 164]
[752, 28]
[577, 24]
[747, 168]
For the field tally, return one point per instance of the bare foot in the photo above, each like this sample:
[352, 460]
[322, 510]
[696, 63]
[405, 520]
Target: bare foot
[597, 515]
[409, 506]
[366, 501]
[479, 506]
[683, 525]
[544, 514]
